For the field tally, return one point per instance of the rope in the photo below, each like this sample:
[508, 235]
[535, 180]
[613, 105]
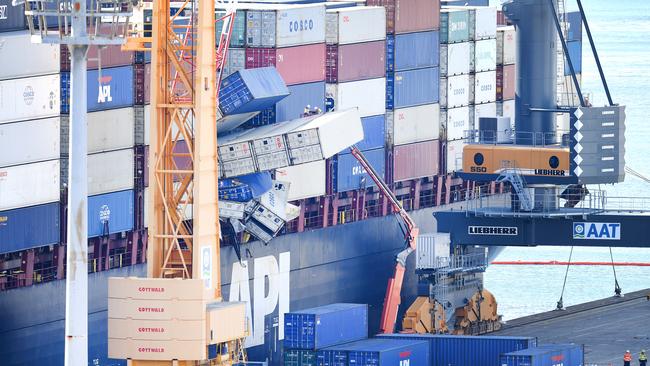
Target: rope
[560, 302]
[617, 288]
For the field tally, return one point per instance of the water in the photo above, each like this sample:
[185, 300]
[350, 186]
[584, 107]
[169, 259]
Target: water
[621, 30]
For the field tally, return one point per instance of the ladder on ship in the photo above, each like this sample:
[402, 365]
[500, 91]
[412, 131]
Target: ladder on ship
[512, 175]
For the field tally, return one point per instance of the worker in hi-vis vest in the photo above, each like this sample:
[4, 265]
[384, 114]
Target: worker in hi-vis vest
[627, 358]
[643, 358]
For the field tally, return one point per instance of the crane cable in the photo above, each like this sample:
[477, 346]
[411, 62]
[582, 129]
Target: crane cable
[560, 302]
[617, 288]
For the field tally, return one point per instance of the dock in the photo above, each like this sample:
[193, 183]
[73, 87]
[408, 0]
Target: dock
[607, 327]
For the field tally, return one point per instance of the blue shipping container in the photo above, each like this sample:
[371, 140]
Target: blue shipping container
[299, 357]
[29, 227]
[292, 107]
[11, 17]
[251, 90]
[333, 356]
[416, 50]
[390, 52]
[65, 92]
[325, 326]
[113, 89]
[350, 175]
[414, 87]
[545, 355]
[389, 352]
[575, 26]
[575, 52]
[110, 213]
[374, 133]
[447, 350]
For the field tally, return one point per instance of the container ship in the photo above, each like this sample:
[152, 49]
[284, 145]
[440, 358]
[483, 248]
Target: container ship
[420, 75]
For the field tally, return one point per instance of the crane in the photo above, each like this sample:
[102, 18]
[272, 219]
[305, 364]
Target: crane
[410, 230]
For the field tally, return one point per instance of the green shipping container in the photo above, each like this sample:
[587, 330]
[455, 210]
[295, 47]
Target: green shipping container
[238, 37]
[298, 357]
[454, 25]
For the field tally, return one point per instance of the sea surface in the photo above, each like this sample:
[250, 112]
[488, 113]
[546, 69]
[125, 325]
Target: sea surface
[621, 31]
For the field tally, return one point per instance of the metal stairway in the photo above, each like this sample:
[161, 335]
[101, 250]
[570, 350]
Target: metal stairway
[518, 185]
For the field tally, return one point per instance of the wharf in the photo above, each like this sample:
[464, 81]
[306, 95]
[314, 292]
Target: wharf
[606, 327]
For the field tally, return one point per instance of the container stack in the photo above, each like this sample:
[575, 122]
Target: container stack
[566, 90]
[412, 95]
[506, 72]
[306, 332]
[355, 75]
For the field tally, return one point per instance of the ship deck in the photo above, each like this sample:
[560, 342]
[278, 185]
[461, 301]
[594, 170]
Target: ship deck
[606, 327]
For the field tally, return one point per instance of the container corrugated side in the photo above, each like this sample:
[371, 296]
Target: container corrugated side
[483, 55]
[374, 132]
[299, 25]
[416, 50]
[29, 184]
[260, 28]
[454, 25]
[305, 180]
[325, 326]
[357, 61]
[506, 80]
[111, 130]
[30, 141]
[251, 90]
[350, 175]
[238, 32]
[299, 357]
[30, 98]
[388, 352]
[468, 350]
[415, 87]
[454, 91]
[455, 59]
[482, 110]
[236, 61]
[415, 15]
[506, 108]
[110, 213]
[367, 95]
[482, 21]
[575, 52]
[355, 24]
[30, 227]
[108, 172]
[484, 87]
[293, 106]
[332, 356]
[545, 355]
[457, 122]
[574, 32]
[416, 160]
[113, 89]
[454, 151]
[13, 17]
[416, 124]
[27, 59]
[506, 45]
[296, 65]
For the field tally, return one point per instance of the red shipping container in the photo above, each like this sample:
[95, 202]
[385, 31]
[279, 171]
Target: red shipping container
[416, 160]
[502, 19]
[506, 84]
[296, 65]
[111, 56]
[406, 16]
[357, 61]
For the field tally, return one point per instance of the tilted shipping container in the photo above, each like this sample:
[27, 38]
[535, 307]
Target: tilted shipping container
[305, 180]
[355, 24]
[325, 326]
[416, 160]
[30, 98]
[24, 58]
[30, 227]
[357, 61]
[30, 141]
[293, 106]
[29, 184]
[251, 90]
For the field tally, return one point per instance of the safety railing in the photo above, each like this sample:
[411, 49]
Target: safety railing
[509, 135]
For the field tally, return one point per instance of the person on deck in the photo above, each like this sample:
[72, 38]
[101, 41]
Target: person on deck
[627, 358]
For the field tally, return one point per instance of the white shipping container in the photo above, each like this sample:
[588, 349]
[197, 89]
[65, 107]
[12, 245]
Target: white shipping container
[367, 95]
[30, 141]
[454, 91]
[506, 108]
[455, 59]
[305, 180]
[433, 251]
[110, 171]
[455, 155]
[235, 61]
[30, 98]
[563, 122]
[485, 87]
[506, 45]
[355, 24]
[483, 22]
[416, 124]
[457, 122]
[484, 55]
[482, 110]
[294, 24]
[30, 184]
[24, 58]
[111, 130]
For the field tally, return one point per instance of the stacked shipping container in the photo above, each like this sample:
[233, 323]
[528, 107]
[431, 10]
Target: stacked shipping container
[506, 77]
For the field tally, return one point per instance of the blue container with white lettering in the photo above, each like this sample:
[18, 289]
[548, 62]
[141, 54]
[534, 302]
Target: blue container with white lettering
[293, 106]
[325, 326]
[545, 355]
[12, 17]
[413, 87]
[390, 52]
[110, 213]
[110, 88]
[388, 352]
[416, 50]
[374, 133]
[350, 175]
[574, 33]
[333, 356]
[30, 227]
[251, 90]
[575, 52]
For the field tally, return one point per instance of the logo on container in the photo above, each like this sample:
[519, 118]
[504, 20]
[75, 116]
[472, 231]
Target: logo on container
[104, 95]
[28, 95]
[597, 230]
[3, 220]
[151, 350]
[104, 214]
[3, 12]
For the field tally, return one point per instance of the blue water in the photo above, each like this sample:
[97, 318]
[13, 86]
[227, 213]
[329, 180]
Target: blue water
[621, 30]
